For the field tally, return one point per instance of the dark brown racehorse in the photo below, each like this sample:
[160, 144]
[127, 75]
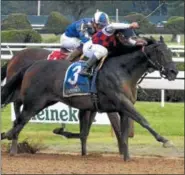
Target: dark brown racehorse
[116, 89]
[26, 58]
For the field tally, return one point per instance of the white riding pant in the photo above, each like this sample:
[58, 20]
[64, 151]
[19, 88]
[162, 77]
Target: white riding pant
[69, 43]
[90, 49]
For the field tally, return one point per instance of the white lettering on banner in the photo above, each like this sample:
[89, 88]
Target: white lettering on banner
[61, 113]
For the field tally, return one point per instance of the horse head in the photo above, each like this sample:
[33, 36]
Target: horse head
[159, 57]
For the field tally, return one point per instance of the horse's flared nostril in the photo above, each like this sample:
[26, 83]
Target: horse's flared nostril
[174, 71]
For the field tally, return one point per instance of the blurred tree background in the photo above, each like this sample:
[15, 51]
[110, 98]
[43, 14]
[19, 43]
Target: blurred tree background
[76, 9]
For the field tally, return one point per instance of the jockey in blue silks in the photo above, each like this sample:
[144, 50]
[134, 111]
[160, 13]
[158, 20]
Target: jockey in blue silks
[81, 31]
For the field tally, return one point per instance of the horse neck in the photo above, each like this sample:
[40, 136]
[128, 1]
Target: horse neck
[137, 73]
[120, 50]
[137, 66]
[134, 65]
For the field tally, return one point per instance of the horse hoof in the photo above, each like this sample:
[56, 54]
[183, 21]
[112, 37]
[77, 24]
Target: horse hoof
[58, 131]
[126, 159]
[13, 153]
[168, 144]
[3, 135]
[131, 135]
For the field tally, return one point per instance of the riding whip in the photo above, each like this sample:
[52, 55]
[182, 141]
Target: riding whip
[151, 13]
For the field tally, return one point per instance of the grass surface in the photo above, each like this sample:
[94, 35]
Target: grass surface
[167, 38]
[168, 121]
[50, 38]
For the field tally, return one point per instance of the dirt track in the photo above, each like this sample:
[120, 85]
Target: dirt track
[91, 164]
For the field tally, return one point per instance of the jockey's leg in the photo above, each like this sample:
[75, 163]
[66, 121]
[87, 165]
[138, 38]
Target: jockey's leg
[94, 52]
[89, 63]
[70, 43]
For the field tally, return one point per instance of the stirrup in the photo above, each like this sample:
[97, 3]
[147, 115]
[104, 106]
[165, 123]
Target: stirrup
[88, 73]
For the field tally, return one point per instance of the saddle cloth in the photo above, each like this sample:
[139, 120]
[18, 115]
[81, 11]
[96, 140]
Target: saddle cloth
[56, 55]
[74, 84]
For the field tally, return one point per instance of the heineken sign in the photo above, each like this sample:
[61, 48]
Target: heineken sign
[61, 113]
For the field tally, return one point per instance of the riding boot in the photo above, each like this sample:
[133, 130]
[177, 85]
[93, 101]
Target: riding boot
[90, 62]
[74, 55]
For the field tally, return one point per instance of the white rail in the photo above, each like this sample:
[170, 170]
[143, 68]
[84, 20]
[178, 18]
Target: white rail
[174, 48]
[151, 81]
[58, 44]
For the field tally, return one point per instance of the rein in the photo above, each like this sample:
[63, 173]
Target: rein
[155, 64]
[145, 74]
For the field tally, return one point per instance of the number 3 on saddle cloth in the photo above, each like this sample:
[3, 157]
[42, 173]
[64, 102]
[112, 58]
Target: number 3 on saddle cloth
[76, 84]
[57, 55]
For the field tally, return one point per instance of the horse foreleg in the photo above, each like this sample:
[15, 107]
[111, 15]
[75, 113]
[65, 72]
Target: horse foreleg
[86, 120]
[131, 112]
[115, 122]
[131, 128]
[124, 123]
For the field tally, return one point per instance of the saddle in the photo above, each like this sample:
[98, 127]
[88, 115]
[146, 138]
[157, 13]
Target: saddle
[77, 85]
[57, 55]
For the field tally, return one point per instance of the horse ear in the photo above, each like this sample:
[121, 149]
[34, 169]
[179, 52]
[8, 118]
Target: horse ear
[153, 39]
[161, 39]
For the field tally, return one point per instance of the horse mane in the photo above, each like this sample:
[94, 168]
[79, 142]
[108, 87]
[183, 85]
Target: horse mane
[121, 49]
[129, 60]
[128, 56]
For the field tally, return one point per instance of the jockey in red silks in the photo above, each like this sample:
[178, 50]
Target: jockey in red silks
[105, 39]
[81, 31]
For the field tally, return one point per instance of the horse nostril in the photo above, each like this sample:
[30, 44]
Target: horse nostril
[174, 71]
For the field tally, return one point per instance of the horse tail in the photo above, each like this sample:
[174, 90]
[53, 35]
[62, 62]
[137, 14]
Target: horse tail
[3, 71]
[8, 90]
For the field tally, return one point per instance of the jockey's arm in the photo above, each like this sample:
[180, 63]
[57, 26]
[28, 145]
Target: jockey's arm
[83, 33]
[111, 28]
[84, 37]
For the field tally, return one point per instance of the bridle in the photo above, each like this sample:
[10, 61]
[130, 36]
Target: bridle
[156, 64]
